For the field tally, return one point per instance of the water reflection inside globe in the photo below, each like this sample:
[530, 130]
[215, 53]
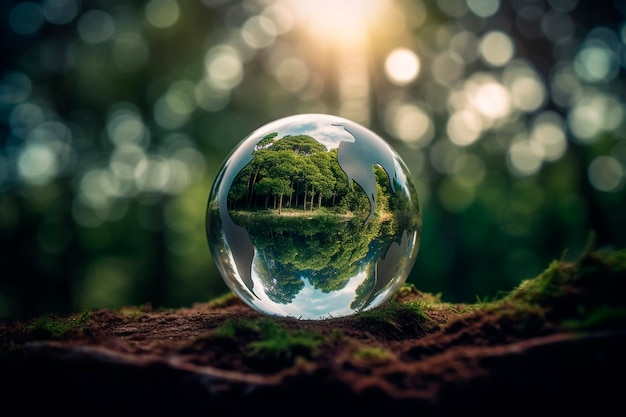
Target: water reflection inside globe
[313, 216]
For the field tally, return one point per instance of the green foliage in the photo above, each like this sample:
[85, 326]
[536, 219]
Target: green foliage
[79, 205]
[298, 168]
[57, 328]
[298, 144]
[324, 246]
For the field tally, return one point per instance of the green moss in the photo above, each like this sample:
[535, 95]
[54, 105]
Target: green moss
[398, 314]
[406, 290]
[375, 353]
[585, 294]
[57, 328]
[409, 292]
[223, 300]
[548, 284]
[271, 340]
[603, 317]
[594, 269]
[411, 313]
[132, 312]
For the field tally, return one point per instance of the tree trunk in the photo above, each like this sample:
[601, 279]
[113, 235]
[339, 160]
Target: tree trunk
[251, 186]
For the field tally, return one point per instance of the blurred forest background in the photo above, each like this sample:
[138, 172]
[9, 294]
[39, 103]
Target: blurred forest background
[115, 117]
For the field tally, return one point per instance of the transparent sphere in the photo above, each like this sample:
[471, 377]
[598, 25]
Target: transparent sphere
[313, 216]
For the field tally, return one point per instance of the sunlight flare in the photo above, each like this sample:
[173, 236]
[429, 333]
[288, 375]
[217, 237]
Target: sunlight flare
[346, 21]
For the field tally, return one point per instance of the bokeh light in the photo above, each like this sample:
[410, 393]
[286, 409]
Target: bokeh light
[496, 48]
[346, 21]
[606, 173]
[26, 18]
[483, 8]
[162, 13]
[115, 116]
[402, 66]
[96, 26]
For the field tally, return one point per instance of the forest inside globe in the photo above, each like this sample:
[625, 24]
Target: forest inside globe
[313, 216]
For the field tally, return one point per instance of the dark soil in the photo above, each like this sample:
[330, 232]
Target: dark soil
[556, 344]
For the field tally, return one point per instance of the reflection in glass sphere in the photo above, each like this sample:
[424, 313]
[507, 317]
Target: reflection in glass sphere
[313, 216]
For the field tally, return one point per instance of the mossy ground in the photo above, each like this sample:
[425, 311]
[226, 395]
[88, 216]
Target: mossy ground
[414, 350]
[587, 294]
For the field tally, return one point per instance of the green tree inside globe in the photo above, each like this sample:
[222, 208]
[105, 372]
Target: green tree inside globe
[314, 216]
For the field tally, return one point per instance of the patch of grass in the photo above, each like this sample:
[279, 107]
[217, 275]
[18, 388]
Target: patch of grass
[373, 353]
[398, 314]
[57, 328]
[549, 284]
[603, 269]
[223, 300]
[411, 313]
[271, 340]
[131, 312]
[408, 292]
[581, 295]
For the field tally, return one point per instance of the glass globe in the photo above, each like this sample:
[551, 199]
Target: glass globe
[313, 216]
